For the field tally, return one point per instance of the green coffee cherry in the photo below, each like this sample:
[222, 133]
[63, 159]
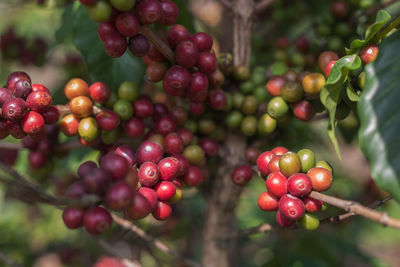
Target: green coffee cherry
[307, 159]
[247, 87]
[250, 105]
[88, 129]
[292, 92]
[237, 99]
[266, 125]
[249, 125]
[261, 94]
[361, 80]
[324, 164]
[111, 100]
[277, 107]
[241, 73]
[128, 91]
[191, 125]
[110, 137]
[206, 126]
[309, 221]
[194, 154]
[123, 108]
[234, 119]
[229, 101]
[289, 164]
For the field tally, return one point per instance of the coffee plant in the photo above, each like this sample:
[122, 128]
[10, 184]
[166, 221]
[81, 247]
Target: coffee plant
[177, 127]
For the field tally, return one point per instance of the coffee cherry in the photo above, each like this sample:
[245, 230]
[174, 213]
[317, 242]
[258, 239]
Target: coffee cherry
[85, 168]
[177, 197]
[250, 105]
[32, 123]
[52, 115]
[169, 14]
[76, 87]
[304, 110]
[105, 29]
[139, 208]
[14, 77]
[276, 184]
[148, 174]
[321, 178]
[198, 87]
[249, 125]
[155, 71]
[302, 44]
[149, 11]
[75, 190]
[274, 85]
[324, 164]
[369, 53]
[100, 11]
[252, 154]
[313, 83]
[127, 24]
[119, 196]
[216, 78]
[69, 125]
[329, 67]
[4, 129]
[96, 220]
[99, 92]
[138, 45]
[39, 101]
[88, 129]
[116, 166]
[149, 151]
[242, 175]
[37, 159]
[309, 221]
[73, 217]
[143, 108]
[267, 202]
[14, 109]
[193, 176]
[134, 127]
[311, 204]
[292, 92]
[279, 150]
[307, 159]
[207, 62]
[127, 153]
[160, 110]
[123, 108]
[165, 125]
[5, 95]
[169, 168]
[266, 125]
[179, 114]
[177, 34]
[115, 45]
[324, 58]
[187, 54]
[161, 211]
[150, 195]
[203, 41]
[339, 9]
[274, 164]
[194, 154]
[173, 144]
[299, 185]
[22, 88]
[289, 164]
[209, 146]
[177, 77]
[81, 106]
[123, 5]
[186, 136]
[217, 99]
[96, 181]
[277, 107]
[165, 190]
[283, 221]
[263, 161]
[291, 207]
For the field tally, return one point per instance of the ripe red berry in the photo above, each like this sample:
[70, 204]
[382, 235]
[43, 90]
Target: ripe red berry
[69, 125]
[321, 178]
[299, 185]
[150, 195]
[14, 109]
[165, 190]
[176, 34]
[22, 88]
[263, 162]
[14, 77]
[242, 175]
[276, 184]
[275, 84]
[329, 67]
[99, 92]
[127, 24]
[134, 127]
[4, 131]
[312, 204]
[196, 108]
[119, 196]
[96, 181]
[5, 95]
[37, 159]
[279, 150]
[198, 87]
[52, 115]
[210, 146]
[177, 77]
[115, 45]
[252, 154]
[217, 99]
[291, 207]
[73, 217]
[203, 41]
[161, 211]
[282, 220]
[139, 208]
[369, 53]
[169, 168]
[138, 45]
[149, 174]
[149, 151]
[274, 164]
[207, 62]
[115, 165]
[149, 11]
[193, 176]
[154, 54]
[85, 168]
[127, 153]
[304, 110]
[165, 125]
[339, 9]
[186, 54]
[170, 12]
[105, 29]
[143, 108]
[183, 163]
[267, 202]
[76, 190]
[32, 123]
[108, 120]
[186, 136]
[97, 220]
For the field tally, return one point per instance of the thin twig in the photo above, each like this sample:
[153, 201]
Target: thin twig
[8, 260]
[356, 208]
[262, 5]
[152, 240]
[162, 47]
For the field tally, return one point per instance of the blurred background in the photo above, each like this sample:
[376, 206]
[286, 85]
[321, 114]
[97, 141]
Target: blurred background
[40, 37]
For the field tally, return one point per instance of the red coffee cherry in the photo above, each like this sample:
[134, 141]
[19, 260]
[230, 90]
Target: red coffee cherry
[161, 211]
[203, 41]
[279, 150]
[115, 165]
[143, 107]
[85, 168]
[186, 54]
[115, 45]
[169, 168]
[32, 123]
[37, 159]
[193, 176]
[299, 185]
[291, 207]
[276, 184]
[324, 59]
[134, 127]
[148, 174]
[207, 62]
[139, 45]
[312, 205]
[73, 217]
[15, 129]
[339, 9]
[267, 202]
[149, 151]
[177, 77]
[304, 110]
[176, 34]
[4, 131]
[127, 24]
[183, 163]
[217, 99]
[170, 12]
[165, 125]
[186, 136]
[108, 120]
[173, 144]
[14, 109]
[369, 53]
[97, 220]
[282, 220]
[22, 88]
[96, 181]
[119, 196]
[105, 29]
[99, 92]
[274, 164]
[242, 175]
[198, 88]
[14, 77]
[321, 178]
[51, 116]
[165, 190]
[139, 208]
[127, 153]
[252, 154]
[149, 11]
[275, 84]
[39, 101]
[263, 162]
[150, 195]
[196, 108]
[329, 67]
[76, 190]
[210, 146]
[5, 95]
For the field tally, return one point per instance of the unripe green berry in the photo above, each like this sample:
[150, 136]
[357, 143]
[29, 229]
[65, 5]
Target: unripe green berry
[234, 119]
[307, 159]
[123, 108]
[309, 221]
[194, 154]
[88, 129]
[249, 125]
[128, 91]
[266, 125]
[324, 164]
[277, 107]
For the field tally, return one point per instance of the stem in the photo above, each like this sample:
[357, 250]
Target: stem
[162, 47]
[65, 110]
[393, 24]
[356, 208]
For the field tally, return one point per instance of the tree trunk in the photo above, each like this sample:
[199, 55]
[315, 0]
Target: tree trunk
[222, 194]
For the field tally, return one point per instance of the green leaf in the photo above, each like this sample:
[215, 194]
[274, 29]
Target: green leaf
[352, 93]
[112, 71]
[330, 94]
[66, 28]
[381, 19]
[380, 118]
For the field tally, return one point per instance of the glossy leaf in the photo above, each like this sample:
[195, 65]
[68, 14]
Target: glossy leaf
[380, 118]
[352, 93]
[330, 94]
[381, 19]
